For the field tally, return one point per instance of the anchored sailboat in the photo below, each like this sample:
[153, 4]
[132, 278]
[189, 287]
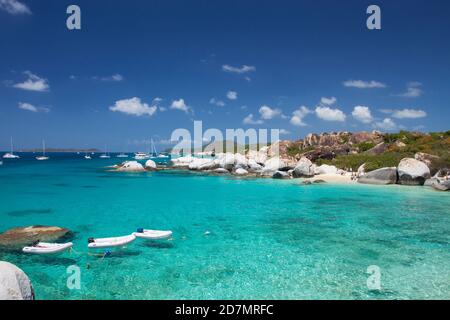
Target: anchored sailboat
[43, 157]
[106, 154]
[11, 154]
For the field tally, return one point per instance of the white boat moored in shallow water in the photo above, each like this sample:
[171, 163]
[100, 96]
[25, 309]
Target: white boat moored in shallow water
[153, 234]
[43, 157]
[110, 242]
[11, 155]
[48, 248]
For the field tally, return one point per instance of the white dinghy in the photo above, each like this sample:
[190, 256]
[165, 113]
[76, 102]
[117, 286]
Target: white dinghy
[110, 242]
[48, 248]
[152, 234]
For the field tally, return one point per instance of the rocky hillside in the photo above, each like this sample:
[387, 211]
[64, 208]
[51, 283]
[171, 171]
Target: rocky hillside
[375, 149]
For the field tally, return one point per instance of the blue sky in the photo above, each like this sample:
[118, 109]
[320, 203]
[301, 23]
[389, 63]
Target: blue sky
[140, 69]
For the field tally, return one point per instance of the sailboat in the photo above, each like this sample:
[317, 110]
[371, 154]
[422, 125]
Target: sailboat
[43, 157]
[156, 155]
[122, 155]
[87, 156]
[11, 155]
[105, 155]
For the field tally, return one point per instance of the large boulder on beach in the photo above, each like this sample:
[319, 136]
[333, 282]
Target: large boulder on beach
[130, 166]
[281, 175]
[253, 166]
[260, 156]
[17, 238]
[438, 184]
[274, 164]
[226, 161]
[182, 161]
[361, 170]
[240, 161]
[221, 171]
[412, 172]
[240, 172]
[325, 169]
[150, 165]
[208, 165]
[304, 168]
[380, 176]
[442, 185]
[198, 163]
[14, 283]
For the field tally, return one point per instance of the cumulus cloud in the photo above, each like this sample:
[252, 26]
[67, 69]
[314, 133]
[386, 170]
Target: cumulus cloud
[268, 113]
[409, 114]
[405, 113]
[133, 106]
[241, 70]
[361, 84]
[329, 114]
[251, 120]
[180, 105]
[232, 95]
[298, 115]
[362, 114]
[14, 7]
[33, 83]
[217, 102]
[29, 107]
[387, 125]
[413, 90]
[328, 101]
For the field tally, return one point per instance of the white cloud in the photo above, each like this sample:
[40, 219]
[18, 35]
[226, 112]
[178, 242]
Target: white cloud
[232, 95]
[328, 101]
[409, 114]
[33, 83]
[387, 125]
[29, 107]
[268, 113]
[251, 120]
[298, 115]
[217, 102]
[241, 70]
[329, 114]
[179, 105]
[134, 107]
[362, 114]
[413, 90]
[284, 132]
[361, 84]
[115, 77]
[14, 7]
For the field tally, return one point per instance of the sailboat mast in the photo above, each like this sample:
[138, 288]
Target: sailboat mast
[12, 149]
[43, 148]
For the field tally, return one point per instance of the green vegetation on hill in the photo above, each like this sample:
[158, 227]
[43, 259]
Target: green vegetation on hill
[353, 161]
[435, 143]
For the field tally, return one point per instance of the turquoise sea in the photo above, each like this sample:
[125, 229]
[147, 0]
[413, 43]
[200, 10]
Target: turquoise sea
[233, 238]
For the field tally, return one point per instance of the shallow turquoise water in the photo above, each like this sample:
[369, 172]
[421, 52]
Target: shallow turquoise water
[267, 238]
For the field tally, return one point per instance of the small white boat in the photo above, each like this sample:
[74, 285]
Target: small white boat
[110, 242]
[11, 155]
[87, 157]
[43, 157]
[153, 234]
[48, 248]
